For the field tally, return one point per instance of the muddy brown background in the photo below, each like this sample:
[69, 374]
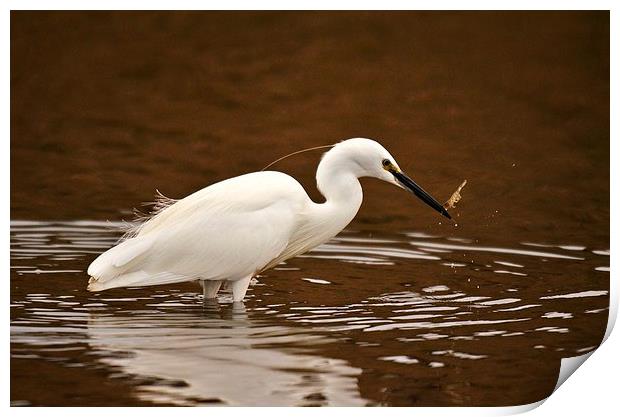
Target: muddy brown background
[106, 107]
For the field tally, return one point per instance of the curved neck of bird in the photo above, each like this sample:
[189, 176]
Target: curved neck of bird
[337, 180]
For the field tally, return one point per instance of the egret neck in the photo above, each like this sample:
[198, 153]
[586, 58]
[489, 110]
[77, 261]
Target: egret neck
[337, 180]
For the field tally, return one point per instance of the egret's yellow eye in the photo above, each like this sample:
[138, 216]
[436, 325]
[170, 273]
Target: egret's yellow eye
[386, 163]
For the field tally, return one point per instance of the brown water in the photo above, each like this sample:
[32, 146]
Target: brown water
[399, 309]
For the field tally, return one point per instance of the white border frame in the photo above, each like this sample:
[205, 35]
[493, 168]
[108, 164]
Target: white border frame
[592, 391]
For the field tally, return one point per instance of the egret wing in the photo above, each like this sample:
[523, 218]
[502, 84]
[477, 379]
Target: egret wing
[229, 230]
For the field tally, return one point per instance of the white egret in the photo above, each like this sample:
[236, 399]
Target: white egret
[236, 228]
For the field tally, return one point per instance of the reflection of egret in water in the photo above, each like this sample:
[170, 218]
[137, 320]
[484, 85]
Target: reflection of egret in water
[222, 356]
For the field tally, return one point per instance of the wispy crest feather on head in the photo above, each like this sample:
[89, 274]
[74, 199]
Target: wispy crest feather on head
[298, 152]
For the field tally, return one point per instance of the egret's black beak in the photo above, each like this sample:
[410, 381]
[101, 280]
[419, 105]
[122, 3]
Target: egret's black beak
[410, 185]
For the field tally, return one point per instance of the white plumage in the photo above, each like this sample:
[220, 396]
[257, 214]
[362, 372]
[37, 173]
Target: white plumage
[234, 229]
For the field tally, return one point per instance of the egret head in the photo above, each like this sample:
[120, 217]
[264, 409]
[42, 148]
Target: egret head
[367, 158]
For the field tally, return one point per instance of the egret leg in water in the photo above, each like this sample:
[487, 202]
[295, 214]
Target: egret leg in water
[210, 288]
[236, 228]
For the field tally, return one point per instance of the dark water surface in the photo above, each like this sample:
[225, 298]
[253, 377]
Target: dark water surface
[392, 319]
[401, 308]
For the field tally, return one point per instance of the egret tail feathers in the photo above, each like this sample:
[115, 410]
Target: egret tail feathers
[125, 280]
[116, 261]
[126, 265]
[137, 279]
